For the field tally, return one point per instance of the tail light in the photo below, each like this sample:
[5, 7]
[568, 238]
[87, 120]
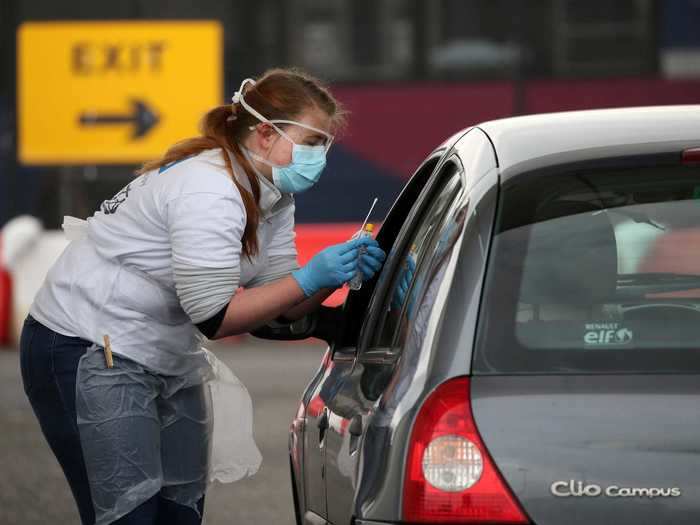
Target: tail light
[691, 157]
[450, 477]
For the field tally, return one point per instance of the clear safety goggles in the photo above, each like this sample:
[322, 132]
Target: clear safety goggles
[238, 98]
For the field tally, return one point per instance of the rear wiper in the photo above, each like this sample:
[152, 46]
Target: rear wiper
[656, 277]
[639, 218]
[636, 285]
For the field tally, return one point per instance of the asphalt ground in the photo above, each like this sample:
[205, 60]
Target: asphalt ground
[34, 491]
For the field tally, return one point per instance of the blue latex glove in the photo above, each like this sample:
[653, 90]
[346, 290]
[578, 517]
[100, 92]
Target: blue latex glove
[331, 267]
[371, 261]
[402, 286]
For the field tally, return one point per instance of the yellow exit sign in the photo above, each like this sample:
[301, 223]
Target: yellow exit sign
[113, 92]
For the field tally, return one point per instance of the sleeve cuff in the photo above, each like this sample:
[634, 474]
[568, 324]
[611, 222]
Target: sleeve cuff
[212, 325]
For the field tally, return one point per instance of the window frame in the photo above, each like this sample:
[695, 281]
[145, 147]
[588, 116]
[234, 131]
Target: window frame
[424, 263]
[375, 306]
[459, 203]
[355, 308]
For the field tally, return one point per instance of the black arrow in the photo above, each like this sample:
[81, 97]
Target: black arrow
[141, 116]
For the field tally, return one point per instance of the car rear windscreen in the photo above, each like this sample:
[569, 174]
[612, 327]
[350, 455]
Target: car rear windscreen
[594, 271]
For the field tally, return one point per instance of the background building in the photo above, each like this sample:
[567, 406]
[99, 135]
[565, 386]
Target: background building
[411, 72]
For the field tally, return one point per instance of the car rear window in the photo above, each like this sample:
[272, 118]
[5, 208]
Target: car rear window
[594, 271]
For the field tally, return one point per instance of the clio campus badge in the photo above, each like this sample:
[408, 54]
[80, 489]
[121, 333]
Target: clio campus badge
[579, 489]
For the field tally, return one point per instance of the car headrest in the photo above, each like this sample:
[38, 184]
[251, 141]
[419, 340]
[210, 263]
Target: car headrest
[571, 256]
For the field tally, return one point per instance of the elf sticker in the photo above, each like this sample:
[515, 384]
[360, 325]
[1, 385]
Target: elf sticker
[607, 334]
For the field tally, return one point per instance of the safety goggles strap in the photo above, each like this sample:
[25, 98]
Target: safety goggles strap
[238, 98]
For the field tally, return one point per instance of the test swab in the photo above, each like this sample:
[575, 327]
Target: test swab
[369, 213]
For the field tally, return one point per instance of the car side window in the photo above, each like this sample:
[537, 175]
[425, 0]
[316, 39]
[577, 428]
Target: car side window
[419, 255]
[381, 379]
[422, 293]
[356, 306]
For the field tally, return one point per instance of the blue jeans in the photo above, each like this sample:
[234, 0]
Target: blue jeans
[49, 363]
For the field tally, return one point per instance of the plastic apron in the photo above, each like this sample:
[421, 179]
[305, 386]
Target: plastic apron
[144, 433]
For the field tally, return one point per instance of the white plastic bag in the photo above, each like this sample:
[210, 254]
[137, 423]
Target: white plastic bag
[234, 452]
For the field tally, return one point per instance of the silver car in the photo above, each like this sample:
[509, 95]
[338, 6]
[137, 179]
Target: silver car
[530, 352]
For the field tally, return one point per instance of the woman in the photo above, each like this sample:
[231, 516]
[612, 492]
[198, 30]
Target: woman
[155, 270]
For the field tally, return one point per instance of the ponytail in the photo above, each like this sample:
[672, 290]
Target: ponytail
[278, 94]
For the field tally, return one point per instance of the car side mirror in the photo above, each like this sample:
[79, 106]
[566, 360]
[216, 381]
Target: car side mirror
[322, 324]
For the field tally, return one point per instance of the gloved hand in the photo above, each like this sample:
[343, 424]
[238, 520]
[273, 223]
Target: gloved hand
[331, 267]
[404, 282]
[371, 261]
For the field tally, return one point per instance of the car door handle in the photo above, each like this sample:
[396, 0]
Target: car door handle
[322, 426]
[355, 427]
[323, 420]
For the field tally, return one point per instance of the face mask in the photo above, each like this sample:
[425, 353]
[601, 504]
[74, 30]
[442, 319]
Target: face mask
[300, 174]
[307, 161]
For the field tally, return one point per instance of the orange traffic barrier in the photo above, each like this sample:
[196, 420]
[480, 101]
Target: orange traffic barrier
[5, 302]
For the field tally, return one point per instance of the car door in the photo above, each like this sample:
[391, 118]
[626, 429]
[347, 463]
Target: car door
[361, 373]
[331, 373]
[315, 419]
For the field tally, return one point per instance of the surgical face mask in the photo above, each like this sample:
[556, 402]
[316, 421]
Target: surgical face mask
[307, 161]
[300, 174]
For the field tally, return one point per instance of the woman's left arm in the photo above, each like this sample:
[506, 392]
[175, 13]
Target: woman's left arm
[279, 266]
[283, 260]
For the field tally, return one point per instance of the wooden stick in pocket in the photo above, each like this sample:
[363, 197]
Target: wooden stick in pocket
[108, 352]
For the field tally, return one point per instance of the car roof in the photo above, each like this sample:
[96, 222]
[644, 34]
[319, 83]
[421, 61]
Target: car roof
[552, 138]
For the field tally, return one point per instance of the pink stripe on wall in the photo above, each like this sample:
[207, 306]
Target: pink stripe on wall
[396, 126]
